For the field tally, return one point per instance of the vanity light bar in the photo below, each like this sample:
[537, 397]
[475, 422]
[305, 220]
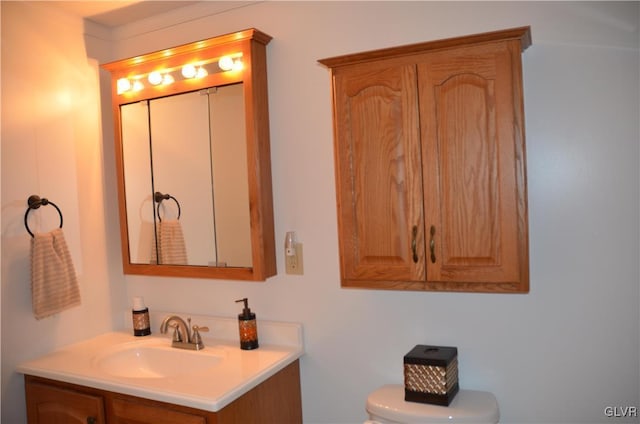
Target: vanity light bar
[188, 71]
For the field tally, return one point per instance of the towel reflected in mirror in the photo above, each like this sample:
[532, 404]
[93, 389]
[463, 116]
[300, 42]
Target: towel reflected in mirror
[169, 244]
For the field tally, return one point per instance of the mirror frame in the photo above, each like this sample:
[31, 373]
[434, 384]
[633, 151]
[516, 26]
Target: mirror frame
[251, 43]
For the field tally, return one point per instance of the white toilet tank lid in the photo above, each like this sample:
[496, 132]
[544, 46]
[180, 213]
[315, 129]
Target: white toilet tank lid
[468, 406]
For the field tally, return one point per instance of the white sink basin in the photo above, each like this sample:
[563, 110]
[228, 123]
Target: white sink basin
[150, 361]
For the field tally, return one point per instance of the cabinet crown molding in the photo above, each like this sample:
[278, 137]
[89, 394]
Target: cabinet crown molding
[523, 34]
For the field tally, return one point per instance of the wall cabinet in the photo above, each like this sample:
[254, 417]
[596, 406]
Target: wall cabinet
[430, 165]
[195, 133]
[276, 400]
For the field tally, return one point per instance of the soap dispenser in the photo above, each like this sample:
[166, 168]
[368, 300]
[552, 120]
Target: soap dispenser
[140, 315]
[248, 327]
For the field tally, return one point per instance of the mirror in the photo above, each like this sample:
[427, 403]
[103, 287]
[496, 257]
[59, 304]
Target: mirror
[191, 149]
[193, 159]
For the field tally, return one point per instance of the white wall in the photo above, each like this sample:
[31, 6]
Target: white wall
[561, 353]
[52, 147]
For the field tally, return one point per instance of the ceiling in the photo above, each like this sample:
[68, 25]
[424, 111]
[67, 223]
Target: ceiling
[116, 13]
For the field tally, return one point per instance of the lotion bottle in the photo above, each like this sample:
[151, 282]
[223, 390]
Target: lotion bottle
[140, 315]
[248, 327]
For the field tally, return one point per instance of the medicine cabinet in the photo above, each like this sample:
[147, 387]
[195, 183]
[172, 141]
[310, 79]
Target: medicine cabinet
[193, 159]
[430, 165]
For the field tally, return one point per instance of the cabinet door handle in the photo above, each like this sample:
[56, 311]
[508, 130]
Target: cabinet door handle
[92, 420]
[432, 244]
[414, 247]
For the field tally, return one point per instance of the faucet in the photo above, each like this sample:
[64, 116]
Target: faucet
[182, 336]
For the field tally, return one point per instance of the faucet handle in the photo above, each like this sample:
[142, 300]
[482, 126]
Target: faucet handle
[177, 337]
[196, 339]
[197, 329]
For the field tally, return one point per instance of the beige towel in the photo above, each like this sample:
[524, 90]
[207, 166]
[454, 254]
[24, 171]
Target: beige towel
[170, 244]
[54, 286]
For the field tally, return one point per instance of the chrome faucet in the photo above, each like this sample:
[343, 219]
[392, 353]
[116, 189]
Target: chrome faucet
[182, 336]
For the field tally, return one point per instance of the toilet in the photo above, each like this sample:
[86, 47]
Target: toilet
[387, 405]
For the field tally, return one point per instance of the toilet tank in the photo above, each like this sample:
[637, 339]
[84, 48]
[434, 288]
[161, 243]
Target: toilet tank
[387, 405]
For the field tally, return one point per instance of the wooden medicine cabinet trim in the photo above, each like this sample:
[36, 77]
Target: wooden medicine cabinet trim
[251, 43]
[385, 118]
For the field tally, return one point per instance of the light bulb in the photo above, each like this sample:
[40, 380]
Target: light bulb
[155, 78]
[201, 72]
[225, 63]
[123, 85]
[238, 65]
[168, 79]
[189, 71]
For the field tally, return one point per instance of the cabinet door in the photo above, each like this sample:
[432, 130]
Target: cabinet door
[379, 177]
[54, 405]
[473, 153]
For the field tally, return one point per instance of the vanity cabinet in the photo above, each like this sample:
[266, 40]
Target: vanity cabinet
[430, 165]
[276, 400]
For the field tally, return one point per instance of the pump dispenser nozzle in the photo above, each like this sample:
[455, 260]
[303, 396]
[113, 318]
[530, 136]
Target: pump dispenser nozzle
[248, 327]
[246, 312]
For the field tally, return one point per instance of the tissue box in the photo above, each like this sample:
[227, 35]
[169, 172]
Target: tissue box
[431, 374]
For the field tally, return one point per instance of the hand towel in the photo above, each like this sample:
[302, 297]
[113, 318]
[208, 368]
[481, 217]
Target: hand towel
[54, 286]
[170, 244]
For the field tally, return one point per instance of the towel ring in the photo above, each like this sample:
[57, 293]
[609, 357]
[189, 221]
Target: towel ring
[159, 197]
[34, 201]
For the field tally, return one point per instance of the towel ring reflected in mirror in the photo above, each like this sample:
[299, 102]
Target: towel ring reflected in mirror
[34, 201]
[159, 197]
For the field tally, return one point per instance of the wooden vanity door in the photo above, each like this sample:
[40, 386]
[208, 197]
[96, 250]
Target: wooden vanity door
[379, 174]
[54, 405]
[473, 161]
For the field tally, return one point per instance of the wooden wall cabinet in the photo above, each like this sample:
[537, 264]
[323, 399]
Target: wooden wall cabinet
[430, 165]
[276, 400]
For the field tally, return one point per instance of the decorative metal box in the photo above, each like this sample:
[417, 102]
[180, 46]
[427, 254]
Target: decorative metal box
[431, 374]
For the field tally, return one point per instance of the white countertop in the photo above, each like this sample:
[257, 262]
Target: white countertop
[235, 373]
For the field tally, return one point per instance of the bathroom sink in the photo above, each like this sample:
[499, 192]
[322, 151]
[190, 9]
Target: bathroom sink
[148, 367]
[138, 360]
